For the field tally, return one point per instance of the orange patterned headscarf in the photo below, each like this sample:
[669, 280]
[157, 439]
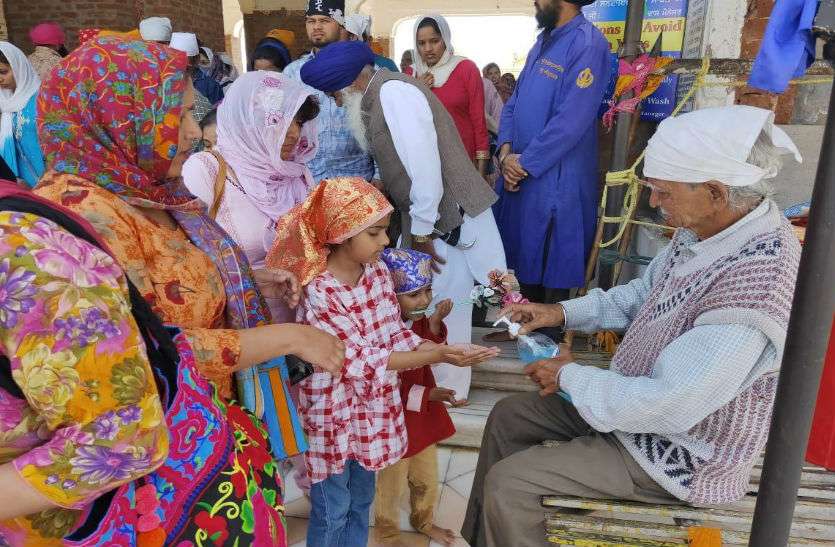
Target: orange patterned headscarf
[336, 210]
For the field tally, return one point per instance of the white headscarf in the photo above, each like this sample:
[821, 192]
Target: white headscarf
[358, 24]
[185, 42]
[27, 84]
[155, 29]
[448, 62]
[714, 144]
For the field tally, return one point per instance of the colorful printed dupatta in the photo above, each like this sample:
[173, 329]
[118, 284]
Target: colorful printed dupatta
[111, 114]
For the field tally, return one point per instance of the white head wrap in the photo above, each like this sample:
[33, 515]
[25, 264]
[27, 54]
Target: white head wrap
[155, 29]
[27, 84]
[448, 61]
[358, 24]
[210, 55]
[185, 42]
[714, 144]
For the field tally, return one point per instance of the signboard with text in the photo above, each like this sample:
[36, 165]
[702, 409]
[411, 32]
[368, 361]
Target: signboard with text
[661, 17]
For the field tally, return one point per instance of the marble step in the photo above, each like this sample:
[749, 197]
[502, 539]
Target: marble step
[470, 420]
[506, 372]
[502, 374]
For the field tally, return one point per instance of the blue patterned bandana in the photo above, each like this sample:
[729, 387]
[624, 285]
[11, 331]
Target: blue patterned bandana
[410, 270]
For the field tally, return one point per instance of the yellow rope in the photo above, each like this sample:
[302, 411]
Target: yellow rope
[629, 178]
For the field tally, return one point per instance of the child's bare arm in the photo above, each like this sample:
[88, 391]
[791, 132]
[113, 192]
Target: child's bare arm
[462, 355]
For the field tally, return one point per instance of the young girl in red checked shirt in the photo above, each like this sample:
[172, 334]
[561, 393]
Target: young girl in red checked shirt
[354, 421]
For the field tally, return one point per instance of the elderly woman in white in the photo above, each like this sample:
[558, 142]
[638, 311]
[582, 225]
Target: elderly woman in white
[683, 412]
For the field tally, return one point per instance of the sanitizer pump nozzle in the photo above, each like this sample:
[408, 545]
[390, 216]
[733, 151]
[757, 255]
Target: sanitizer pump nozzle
[531, 347]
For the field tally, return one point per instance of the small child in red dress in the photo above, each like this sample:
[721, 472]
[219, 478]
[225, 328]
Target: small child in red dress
[353, 420]
[427, 420]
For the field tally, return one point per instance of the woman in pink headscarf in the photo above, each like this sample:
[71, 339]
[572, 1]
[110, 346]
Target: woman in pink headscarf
[266, 133]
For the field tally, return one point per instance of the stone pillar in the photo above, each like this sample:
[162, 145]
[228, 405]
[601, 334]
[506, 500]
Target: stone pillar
[4, 33]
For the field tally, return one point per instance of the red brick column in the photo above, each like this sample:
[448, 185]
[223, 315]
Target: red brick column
[752, 34]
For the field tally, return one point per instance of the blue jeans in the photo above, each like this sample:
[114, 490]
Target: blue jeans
[340, 507]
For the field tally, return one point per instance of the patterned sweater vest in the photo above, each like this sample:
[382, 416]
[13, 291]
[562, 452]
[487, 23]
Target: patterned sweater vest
[746, 278]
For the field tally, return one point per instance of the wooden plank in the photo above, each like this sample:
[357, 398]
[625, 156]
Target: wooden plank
[822, 492]
[632, 529]
[805, 508]
[583, 539]
[805, 525]
[808, 476]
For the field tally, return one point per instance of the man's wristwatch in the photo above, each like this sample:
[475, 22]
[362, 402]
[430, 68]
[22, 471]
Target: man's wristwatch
[421, 239]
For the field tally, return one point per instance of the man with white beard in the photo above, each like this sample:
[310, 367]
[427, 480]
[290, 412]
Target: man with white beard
[443, 202]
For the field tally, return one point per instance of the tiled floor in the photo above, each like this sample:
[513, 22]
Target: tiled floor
[456, 468]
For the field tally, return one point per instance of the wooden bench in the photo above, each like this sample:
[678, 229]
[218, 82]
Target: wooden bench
[603, 523]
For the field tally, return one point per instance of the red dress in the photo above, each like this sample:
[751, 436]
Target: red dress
[821, 450]
[427, 422]
[463, 97]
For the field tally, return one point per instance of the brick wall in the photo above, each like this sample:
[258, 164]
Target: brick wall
[205, 17]
[259, 23]
[756, 19]
[21, 15]
[4, 33]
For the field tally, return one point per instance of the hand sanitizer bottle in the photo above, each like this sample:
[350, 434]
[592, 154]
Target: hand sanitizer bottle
[531, 347]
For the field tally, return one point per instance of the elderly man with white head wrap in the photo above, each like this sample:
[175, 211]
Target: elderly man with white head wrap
[683, 412]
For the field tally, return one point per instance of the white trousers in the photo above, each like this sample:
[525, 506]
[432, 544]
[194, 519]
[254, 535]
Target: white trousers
[464, 267]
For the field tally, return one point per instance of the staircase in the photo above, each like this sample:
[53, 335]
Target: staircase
[494, 381]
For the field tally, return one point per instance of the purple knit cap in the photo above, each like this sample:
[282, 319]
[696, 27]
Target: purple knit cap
[410, 270]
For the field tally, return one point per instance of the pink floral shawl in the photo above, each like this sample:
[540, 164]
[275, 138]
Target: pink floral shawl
[252, 122]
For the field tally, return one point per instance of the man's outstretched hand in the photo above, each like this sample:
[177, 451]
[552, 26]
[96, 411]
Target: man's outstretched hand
[535, 316]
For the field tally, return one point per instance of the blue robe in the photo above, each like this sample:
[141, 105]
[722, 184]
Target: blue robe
[551, 120]
[22, 153]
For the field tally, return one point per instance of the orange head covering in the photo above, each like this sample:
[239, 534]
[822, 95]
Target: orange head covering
[336, 210]
[286, 37]
[87, 34]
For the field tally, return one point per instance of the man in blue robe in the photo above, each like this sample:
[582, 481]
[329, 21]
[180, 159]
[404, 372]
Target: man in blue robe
[547, 212]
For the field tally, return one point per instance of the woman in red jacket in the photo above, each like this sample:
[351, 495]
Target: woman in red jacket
[456, 81]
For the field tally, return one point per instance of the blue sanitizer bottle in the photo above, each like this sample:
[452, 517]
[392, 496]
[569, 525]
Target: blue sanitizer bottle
[531, 347]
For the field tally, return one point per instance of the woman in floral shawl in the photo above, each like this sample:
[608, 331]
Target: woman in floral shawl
[116, 125]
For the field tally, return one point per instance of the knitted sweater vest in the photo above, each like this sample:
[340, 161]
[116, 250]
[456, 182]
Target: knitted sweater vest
[464, 187]
[745, 278]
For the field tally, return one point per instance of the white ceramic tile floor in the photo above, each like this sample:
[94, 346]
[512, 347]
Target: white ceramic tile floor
[456, 468]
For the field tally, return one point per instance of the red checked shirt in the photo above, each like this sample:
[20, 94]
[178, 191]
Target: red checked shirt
[358, 415]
